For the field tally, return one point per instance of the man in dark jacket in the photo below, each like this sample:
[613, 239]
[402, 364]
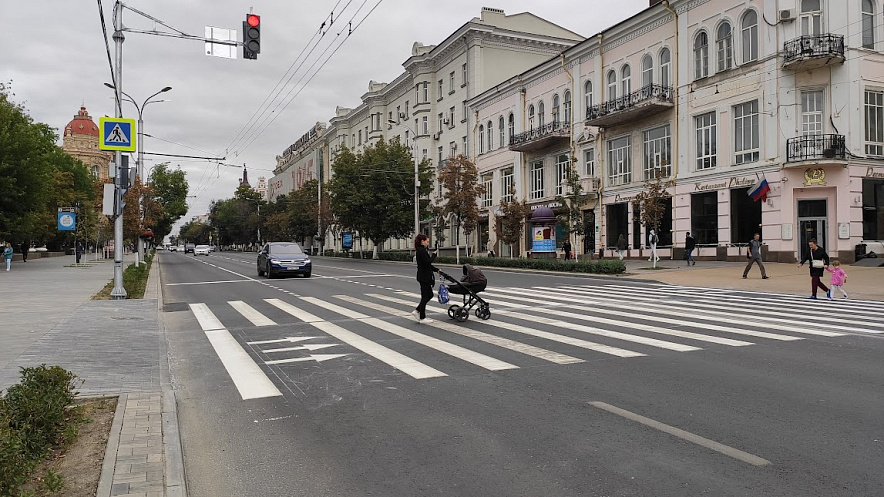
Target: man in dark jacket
[819, 261]
[689, 244]
[753, 253]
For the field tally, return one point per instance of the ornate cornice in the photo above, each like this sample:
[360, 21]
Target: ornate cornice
[636, 33]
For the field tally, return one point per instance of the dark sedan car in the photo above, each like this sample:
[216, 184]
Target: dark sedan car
[281, 258]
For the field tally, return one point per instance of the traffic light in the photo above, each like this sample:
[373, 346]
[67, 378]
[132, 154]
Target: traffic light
[251, 38]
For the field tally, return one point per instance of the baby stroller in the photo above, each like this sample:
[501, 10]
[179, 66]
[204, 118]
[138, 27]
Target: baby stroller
[469, 286]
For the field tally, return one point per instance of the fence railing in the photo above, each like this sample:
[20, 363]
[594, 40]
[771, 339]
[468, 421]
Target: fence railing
[644, 94]
[815, 147]
[810, 46]
[540, 132]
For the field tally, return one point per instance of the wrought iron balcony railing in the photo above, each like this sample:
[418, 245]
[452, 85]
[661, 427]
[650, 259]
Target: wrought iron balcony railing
[816, 147]
[827, 46]
[540, 137]
[639, 103]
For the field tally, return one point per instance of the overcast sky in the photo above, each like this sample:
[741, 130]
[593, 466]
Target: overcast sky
[54, 54]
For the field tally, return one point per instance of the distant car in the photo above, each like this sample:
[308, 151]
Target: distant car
[201, 250]
[281, 258]
[188, 248]
[173, 248]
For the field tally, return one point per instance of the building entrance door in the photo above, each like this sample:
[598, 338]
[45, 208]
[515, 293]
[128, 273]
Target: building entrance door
[812, 219]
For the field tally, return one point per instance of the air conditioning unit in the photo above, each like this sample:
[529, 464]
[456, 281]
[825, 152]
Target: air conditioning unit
[437, 135]
[445, 121]
[402, 115]
[787, 15]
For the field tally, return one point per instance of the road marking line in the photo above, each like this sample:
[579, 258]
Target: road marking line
[684, 435]
[506, 343]
[451, 349]
[251, 313]
[211, 282]
[390, 357]
[250, 380]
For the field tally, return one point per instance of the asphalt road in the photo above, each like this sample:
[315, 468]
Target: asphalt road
[576, 386]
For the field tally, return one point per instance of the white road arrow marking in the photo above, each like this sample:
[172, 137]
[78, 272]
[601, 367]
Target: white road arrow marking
[317, 358]
[286, 339]
[309, 346]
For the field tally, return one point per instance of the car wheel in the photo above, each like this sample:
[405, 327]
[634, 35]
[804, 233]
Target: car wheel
[307, 275]
[270, 274]
[260, 273]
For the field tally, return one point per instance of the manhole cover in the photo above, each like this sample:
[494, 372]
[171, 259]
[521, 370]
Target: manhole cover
[175, 307]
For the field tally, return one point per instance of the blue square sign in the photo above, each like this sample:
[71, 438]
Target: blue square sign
[117, 133]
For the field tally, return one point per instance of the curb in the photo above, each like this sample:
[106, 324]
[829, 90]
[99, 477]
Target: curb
[105, 482]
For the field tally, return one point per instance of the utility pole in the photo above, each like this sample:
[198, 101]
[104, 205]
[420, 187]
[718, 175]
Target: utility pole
[119, 292]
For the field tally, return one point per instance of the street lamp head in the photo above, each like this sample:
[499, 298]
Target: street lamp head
[110, 86]
[166, 89]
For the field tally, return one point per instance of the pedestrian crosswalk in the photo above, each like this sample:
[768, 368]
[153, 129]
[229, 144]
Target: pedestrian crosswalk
[560, 325]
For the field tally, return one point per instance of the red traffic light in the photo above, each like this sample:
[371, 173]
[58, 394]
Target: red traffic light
[253, 20]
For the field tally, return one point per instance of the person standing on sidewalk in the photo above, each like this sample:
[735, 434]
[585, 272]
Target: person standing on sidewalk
[566, 248]
[689, 244]
[621, 246]
[652, 241]
[753, 253]
[25, 247]
[425, 270]
[7, 254]
[819, 261]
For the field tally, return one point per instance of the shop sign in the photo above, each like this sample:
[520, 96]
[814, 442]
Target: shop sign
[815, 176]
[872, 172]
[734, 182]
[551, 205]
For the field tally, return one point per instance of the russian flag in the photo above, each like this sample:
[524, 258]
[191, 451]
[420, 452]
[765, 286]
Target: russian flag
[759, 190]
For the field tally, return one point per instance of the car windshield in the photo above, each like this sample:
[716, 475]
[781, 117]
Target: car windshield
[288, 249]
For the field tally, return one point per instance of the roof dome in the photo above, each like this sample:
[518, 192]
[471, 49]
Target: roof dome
[543, 215]
[81, 125]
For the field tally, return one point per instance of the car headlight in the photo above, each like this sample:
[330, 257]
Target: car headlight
[306, 261]
[274, 261]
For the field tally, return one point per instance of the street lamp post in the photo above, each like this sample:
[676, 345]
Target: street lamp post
[139, 163]
[417, 181]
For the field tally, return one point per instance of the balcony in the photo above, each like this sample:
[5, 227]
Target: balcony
[590, 185]
[647, 101]
[811, 52]
[816, 148]
[539, 138]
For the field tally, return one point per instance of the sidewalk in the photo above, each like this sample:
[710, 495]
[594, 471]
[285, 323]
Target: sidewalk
[117, 347]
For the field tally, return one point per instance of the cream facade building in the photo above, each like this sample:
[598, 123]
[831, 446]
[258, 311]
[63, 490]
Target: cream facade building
[714, 96]
[80, 140]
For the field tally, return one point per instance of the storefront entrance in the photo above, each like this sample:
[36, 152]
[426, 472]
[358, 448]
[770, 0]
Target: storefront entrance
[812, 219]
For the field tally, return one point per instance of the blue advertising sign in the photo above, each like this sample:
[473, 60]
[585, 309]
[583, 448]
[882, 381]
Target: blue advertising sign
[544, 239]
[67, 221]
[347, 240]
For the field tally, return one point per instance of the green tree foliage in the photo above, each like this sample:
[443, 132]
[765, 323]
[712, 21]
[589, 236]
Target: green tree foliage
[651, 202]
[194, 232]
[573, 199]
[461, 191]
[168, 202]
[513, 215]
[372, 192]
[237, 219]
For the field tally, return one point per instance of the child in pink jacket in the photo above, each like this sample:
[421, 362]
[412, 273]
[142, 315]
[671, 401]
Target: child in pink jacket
[838, 278]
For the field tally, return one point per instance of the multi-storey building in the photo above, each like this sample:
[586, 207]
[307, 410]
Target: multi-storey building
[713, 96]
[81, 140]
[425, 106]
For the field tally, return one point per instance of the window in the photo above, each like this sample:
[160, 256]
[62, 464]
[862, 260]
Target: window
[868, 24]
[563, 164]
[507, 184]
[490, 136]
[531, 116]
[701, 56]
[426, 125]
[587, 96]
[360, 137]
[657, 156]
[464, 148]
[706, 140]
[452, 149]
[612, 85]
[746, 139]
[725, 47]
[625, 80]
[536, 179]
[541, 114]
[874, 122]
[481, 139]
[441, 116]
[873, 209]
[440, 90]
[811, 113]
[501, 129]
[488, 195]
[665, 64]
[406, 109]
[745, 215]
[511, 127]
[704, 217]
[589, 162]
[811, 18]
[750, 37]
[94, 170]
[464, 113]
[426, 91]
[451, 82]
[619, 161]
[451, 118]
[647, 70]
[567, 107]
[463, 74]
[555, 108]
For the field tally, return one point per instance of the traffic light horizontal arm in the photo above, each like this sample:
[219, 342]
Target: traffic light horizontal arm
[231, 43]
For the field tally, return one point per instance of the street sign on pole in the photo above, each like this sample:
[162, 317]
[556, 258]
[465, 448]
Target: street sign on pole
[67, 218]
[117, 133]
[223, 42]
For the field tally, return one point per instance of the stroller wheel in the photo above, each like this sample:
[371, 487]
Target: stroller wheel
[483, 313]
[452, 311]
[462, 314]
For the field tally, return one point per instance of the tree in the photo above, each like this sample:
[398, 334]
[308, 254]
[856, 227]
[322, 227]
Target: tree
[168, 202]
[372, 191]
[461, 191]
[513, 215]
[651, 203]
[237, 219]
[573, 199]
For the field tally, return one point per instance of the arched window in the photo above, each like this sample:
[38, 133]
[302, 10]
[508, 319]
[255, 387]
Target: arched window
[647, 70]
[868, 24]
[502, 131]
[555, 108]
[541, 114]
[587, 96]
[490, 136]
[567, 107]
[481, 139]
[531, 116]
[750, 36]
[625, 80]
[725, 47]
[512, 126]
[665, 64]
[94, 170]
[612, 85]
[701, 55]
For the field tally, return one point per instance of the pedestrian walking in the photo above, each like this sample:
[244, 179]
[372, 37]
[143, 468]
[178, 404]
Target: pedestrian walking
[7, 254]
[819, 260]
[25, 247]
[621, 246]
[753, 253]
[78, 251]
[839, 277]
[425, 277]
[566, 248]
[652, 241]
[689, 244]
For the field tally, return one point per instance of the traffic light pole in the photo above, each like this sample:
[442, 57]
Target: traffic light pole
[119, 292]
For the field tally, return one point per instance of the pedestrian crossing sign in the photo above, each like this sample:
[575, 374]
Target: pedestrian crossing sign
[117, 133]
